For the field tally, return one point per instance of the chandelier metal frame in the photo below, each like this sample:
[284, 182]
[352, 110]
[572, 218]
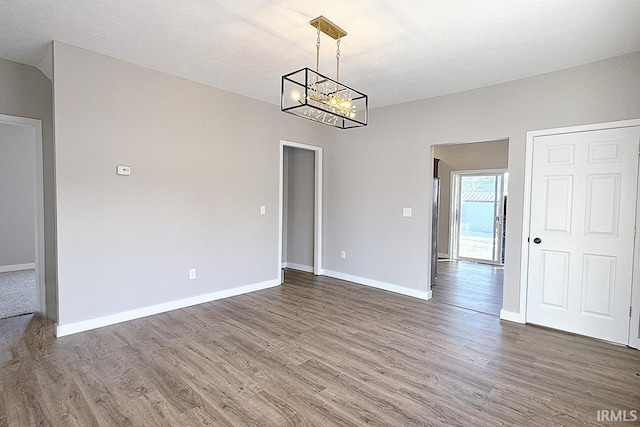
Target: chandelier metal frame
[308, 94]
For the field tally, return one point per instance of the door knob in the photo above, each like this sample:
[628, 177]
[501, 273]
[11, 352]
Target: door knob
[537, 240]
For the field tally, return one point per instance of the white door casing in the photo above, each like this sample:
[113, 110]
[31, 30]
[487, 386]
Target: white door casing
[317, 215]
[36, 125]
[583, 210]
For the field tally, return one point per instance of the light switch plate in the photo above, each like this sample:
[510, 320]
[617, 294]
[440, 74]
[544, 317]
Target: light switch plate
[406, 212]
[263, 210]
[123, 170]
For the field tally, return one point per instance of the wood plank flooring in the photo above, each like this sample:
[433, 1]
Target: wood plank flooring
[314, 351]
[469, 285]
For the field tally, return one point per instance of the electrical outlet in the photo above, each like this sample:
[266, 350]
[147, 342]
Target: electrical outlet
[263, 210]
[343, 254]
[192, 274]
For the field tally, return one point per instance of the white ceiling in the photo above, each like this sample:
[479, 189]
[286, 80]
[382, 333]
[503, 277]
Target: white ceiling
[395, 51]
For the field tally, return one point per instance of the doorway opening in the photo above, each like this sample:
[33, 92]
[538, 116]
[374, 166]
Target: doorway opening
[300, 204]
[471, 212]
[22, 284]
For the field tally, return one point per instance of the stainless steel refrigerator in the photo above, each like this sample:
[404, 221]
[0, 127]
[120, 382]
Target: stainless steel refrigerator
[434, 229]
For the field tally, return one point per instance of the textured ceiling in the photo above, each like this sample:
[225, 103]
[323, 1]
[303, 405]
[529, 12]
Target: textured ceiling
[394, 51]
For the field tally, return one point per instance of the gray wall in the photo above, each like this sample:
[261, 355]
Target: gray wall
[458, 157]
[17, 197]
[26, 92]
[372, 173]
[300, 206]
[203, 161]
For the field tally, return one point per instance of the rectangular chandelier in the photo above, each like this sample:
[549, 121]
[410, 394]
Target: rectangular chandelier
[310, 95]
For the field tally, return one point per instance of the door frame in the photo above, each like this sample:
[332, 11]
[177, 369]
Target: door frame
[36, 125]
[317, 212]
[454, 217]
[634, 330]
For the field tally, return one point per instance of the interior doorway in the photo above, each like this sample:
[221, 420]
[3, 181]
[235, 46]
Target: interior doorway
[22, 284]
[467, 276]
[300, 204]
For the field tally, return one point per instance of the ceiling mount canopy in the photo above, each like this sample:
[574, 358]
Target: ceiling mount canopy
[328, 27]
[313, 96]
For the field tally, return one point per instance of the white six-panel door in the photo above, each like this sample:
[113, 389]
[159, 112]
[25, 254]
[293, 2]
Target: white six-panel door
[583, 210]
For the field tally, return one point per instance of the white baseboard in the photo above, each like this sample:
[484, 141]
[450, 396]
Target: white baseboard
[512, 316]
[441, 255]
[301, 267]
[112, 319]
[17, 267]
[425, 295]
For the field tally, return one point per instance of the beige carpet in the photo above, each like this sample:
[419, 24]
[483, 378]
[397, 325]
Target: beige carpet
[18, 293]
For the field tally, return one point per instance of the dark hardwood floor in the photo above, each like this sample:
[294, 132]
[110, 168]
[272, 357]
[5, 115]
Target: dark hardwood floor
[314, 351]
[469, 285]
